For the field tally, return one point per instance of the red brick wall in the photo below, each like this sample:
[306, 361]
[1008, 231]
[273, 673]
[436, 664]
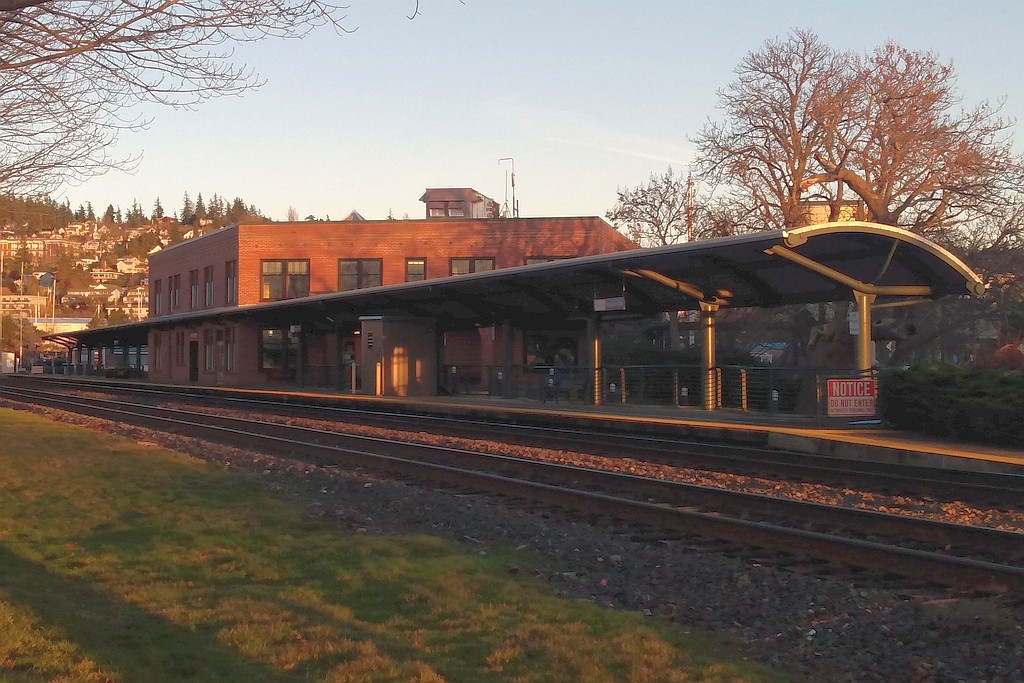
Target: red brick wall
[247, 372]
[509, 242]
[214, 249]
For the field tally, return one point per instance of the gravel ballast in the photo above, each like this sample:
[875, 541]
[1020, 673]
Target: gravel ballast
[817, 627]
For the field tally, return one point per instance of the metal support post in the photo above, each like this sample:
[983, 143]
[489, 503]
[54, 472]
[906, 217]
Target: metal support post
[594, 337]
[707, 316]
[865, 362]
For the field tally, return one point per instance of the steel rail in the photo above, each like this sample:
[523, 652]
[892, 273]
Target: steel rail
[677, 450]
[911, 562]
[867, 522]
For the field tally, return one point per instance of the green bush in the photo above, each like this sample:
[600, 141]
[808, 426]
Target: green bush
[964, 403]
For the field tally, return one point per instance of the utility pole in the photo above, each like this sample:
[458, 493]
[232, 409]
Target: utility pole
[689, 207]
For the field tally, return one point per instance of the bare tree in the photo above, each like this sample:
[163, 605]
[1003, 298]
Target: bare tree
[666, 210]
[654, 214]
[909, 152]
[773, 127]
[803, 121]
[52, 129]
[71, 69]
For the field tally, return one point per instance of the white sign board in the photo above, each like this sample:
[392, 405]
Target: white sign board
[614, 303]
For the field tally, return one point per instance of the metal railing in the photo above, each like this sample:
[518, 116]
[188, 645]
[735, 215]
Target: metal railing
[765, 389]
[347, 378]
[797, 391]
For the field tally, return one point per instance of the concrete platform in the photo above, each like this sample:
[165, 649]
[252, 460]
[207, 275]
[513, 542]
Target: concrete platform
[788, 432]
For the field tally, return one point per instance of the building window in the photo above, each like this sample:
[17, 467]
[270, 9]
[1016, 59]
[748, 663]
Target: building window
[193, 289]
[359, 273]
[208, 286]
[462, 266]
[179, 347]
[278, 350]
[231, 282]
[174, 292]
[157, 297]
[452, 209]
[284, 280]
[532, 260]
[415, 269]
[209, 358]
[230, 349]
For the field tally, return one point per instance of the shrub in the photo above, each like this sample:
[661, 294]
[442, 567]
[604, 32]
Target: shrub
[963, 403]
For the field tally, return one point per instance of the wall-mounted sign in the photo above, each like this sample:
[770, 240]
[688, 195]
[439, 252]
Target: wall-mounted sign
[852, 397]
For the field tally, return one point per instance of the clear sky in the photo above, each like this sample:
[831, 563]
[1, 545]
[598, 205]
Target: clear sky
[585, 95]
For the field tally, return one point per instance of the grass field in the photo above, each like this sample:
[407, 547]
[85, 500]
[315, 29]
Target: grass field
[127, 562]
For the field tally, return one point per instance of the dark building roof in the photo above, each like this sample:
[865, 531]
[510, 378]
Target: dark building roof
[451, 194]
[818, 263]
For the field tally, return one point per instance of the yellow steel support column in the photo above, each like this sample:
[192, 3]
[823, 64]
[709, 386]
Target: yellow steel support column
[864, 355]
[707, 315]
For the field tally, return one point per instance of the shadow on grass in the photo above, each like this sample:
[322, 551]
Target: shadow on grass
[121, 637]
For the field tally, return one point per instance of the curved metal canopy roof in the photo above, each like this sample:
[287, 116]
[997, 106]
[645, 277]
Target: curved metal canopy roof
[825, 262]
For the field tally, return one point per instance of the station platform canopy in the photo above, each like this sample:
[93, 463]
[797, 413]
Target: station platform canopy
[818, 263]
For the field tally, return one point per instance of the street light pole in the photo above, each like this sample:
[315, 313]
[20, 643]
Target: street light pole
[21, 321]
[3, 358]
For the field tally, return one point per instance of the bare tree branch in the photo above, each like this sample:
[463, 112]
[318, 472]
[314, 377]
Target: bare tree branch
[666, 210]
[803, 121]
[71, 69]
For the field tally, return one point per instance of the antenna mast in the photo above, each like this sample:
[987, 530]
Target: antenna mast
[689, 207]
[515, 204]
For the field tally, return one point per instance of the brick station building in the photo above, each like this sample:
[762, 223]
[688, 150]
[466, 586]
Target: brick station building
[248, 264]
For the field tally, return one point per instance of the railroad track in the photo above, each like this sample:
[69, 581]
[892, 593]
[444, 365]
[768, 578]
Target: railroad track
[966, 557]
[528, 429]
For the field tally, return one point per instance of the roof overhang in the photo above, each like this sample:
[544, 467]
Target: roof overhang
[826, 262]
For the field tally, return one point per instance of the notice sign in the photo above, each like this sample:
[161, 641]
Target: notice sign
[852, 397]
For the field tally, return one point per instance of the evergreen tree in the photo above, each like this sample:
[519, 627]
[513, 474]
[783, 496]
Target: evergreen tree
[89, 213]
[187, 211]
[158, 210]
[137, 218]
[237, 211]
[108, 215]
[200, 209]
[215, 211]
